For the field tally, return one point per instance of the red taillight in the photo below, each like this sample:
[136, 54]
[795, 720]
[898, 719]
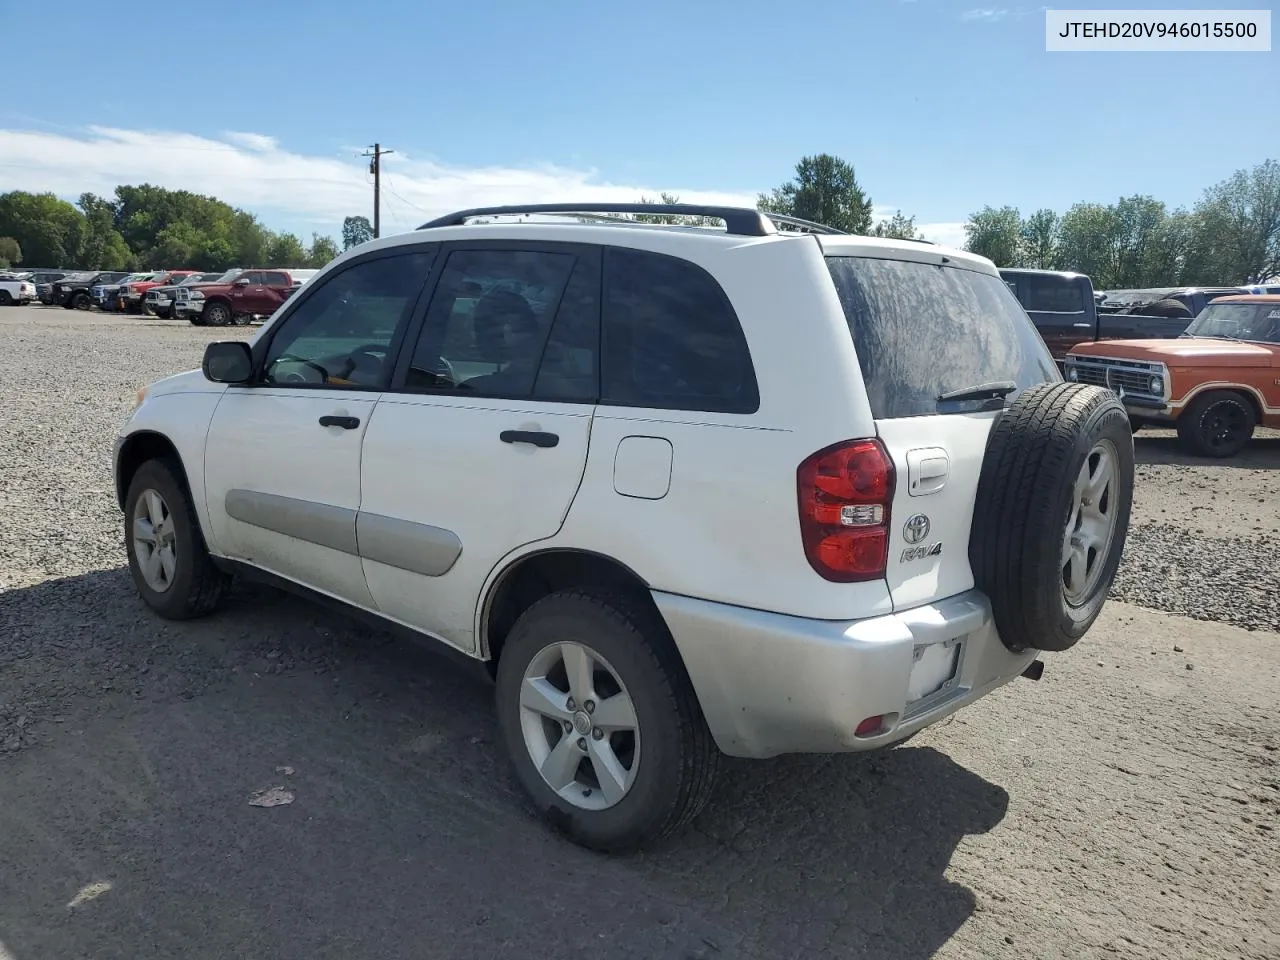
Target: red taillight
[845, 492]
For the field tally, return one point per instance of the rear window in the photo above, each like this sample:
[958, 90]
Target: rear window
[1042, 294]
[922, 330]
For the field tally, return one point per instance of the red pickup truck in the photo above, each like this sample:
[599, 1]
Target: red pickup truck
[132, 295]
[236, 297]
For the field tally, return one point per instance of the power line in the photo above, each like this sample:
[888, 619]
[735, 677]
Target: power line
[376, 153]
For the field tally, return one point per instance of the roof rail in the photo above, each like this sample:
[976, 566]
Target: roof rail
[807, 225]
[740, 221]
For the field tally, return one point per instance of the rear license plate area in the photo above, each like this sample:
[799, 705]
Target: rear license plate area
[934, 668]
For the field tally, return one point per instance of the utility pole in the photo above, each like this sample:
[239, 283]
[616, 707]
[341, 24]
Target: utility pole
[375, 167]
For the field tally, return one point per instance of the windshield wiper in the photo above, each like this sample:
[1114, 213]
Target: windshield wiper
[996, 390]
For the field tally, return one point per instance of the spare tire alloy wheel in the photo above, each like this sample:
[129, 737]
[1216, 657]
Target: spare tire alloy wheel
[1052, 513]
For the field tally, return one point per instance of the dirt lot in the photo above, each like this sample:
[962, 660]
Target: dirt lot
[1124, 806]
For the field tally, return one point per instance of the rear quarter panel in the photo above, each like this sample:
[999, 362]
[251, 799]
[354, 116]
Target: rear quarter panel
[728, 529]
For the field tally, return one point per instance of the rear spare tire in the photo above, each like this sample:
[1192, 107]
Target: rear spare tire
[1052, 513]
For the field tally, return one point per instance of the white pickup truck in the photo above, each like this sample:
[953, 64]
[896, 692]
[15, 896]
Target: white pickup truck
[17, 289]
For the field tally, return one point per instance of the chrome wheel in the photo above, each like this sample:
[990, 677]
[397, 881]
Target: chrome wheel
[154, 542]
[579, 725]
[1091, 524]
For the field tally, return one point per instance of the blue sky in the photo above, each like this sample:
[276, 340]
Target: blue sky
[941, 106]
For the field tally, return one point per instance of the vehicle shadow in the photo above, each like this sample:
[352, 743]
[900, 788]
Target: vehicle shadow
[129, 747]
[1162, 447]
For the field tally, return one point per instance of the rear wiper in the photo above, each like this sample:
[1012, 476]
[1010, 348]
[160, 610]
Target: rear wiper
[996, 390]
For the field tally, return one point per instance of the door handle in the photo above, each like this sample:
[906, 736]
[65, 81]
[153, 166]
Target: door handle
[346, 423]
[539, 438]
[1083, 326]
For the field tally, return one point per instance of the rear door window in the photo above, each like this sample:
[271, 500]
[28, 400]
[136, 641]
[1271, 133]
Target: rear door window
[922, 330]
[671, 338]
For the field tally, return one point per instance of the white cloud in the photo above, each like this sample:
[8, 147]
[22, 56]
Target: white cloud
[984, 13]
[255, 172]
[305, 192]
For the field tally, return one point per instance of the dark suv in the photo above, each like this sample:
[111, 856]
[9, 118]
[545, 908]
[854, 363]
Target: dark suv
[73, 293]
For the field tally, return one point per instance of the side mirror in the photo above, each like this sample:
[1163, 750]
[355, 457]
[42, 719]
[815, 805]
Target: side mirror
[228, 361]
[241, 282]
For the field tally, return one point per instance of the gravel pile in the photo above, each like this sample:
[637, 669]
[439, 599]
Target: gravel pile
[1231, 580]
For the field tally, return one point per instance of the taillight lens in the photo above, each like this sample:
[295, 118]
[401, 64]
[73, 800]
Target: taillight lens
[845, 491]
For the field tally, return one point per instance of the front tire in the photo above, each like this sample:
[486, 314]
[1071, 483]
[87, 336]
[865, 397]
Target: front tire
[81, 301]
[601, 721]
[1217, 424]
[216, 315]
[168, 558]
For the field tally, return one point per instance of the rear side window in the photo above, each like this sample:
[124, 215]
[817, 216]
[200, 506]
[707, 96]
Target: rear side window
[671, 338]
[1052, 295]
[922, 330]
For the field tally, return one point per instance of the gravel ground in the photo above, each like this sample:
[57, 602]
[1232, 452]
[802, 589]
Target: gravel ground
[1126, 805]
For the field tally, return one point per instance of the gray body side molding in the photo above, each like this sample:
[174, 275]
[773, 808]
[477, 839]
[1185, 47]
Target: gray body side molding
[404, 544]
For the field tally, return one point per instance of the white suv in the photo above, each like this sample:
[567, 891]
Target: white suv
[688, 491]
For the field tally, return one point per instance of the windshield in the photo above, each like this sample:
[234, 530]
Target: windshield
[1259, 322]
[230, 275]
[923, 330]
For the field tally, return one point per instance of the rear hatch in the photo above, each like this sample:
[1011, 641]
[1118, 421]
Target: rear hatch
[925, 327]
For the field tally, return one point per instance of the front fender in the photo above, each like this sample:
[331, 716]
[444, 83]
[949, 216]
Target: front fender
[182, 420]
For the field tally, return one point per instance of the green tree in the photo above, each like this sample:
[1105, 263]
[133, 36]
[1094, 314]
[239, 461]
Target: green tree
[10, 251]
[1239, 225]
[897, 227]
[49, 230]
[102, 247]
[996, 234]
[824, 190]
[1039, 240]
[355, 231]
[286, 250]
[323, 249]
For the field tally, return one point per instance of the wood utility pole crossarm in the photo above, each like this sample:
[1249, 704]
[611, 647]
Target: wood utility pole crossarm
[376, 153]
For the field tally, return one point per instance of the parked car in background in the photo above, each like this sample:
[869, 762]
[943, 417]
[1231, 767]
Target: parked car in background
[1175, 303]
[1215, 383]
[236, 297]
[1064, 308]
[16, 291]
[106, 296]
[74, 290]
[1270, 288]
[158, 300]
[132, 291]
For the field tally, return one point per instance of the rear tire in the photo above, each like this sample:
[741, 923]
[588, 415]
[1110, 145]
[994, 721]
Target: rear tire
[1217, 424]
[5, 299]
[1052, 513]
[168, 558]
[674, 759]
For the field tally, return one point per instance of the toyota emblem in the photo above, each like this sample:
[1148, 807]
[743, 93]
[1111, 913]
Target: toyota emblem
[916, 528]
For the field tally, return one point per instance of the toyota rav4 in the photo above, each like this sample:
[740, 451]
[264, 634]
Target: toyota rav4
[688, 492]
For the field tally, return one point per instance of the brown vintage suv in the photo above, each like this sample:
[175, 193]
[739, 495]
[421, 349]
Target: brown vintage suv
[1214, 383]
